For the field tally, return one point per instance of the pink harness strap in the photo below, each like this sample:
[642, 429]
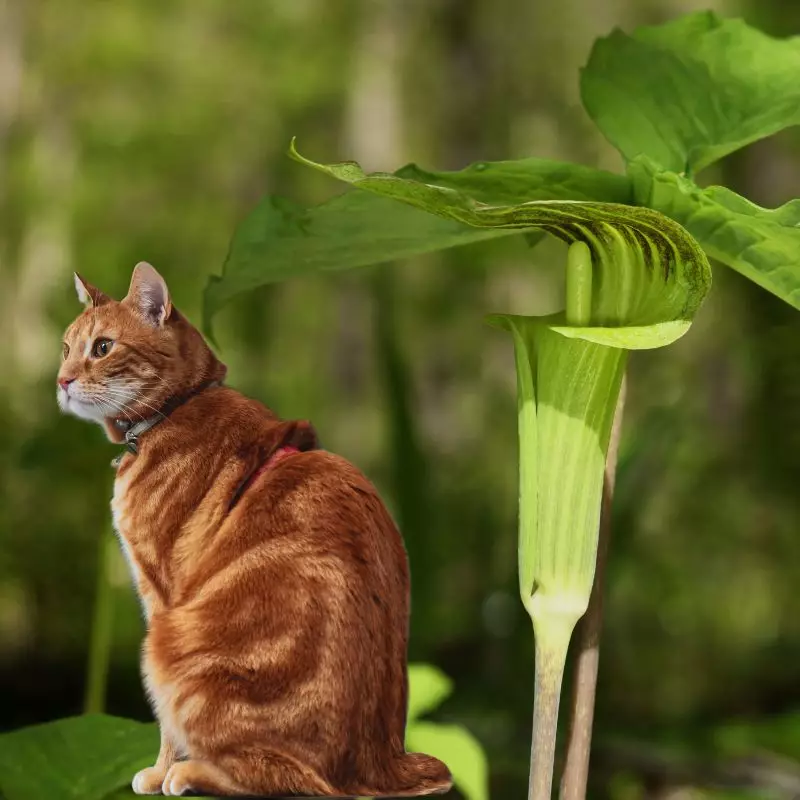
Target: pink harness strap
[277, 456]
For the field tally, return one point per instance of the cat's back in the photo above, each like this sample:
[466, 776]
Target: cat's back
[321, 502]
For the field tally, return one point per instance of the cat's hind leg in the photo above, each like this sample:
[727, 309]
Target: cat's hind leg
[246, 772]
[199, 777]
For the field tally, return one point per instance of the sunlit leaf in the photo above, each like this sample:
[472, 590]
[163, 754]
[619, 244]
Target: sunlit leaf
[85, 758]
[690, 91]
[428, 687]
[280, 240]
[459, 749]
[763, 244]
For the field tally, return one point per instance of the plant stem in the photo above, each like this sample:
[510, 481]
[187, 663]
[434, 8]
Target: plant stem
[101, 635]
[576, 767]
[552, 643]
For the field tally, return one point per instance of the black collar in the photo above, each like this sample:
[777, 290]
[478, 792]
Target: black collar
[133, 430]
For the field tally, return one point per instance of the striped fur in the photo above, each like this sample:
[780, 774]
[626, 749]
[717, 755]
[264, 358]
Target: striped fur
[276, 598]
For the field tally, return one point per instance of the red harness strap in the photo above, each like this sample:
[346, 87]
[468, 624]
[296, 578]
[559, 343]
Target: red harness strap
[277, 456]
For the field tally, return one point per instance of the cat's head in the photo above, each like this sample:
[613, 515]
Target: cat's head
[124, 360]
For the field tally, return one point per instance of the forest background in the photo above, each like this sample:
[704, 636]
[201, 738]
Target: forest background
[147, 131]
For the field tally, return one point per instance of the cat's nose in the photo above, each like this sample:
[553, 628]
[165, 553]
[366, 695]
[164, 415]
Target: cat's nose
[64, 382]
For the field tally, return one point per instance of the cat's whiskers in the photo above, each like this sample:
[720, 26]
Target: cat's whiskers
[107, 403]
[123, 401]
[121, 393]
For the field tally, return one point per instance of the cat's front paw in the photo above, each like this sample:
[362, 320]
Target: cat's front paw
[177, 781]
[148, 781]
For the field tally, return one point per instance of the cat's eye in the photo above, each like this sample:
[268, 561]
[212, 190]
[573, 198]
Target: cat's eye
[102, 347]
[65, 350]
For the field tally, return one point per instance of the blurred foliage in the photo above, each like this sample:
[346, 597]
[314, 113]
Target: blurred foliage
[148, 130]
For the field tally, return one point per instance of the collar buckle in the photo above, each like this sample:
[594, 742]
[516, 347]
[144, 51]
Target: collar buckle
[131, 441]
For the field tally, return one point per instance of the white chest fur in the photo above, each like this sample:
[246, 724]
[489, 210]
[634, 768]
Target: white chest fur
[121, 518]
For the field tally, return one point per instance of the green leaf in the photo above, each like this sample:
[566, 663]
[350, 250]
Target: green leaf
[280, 240]
[763, 244]
[85, 758]
[428, 687]
[651, 275]
[510, 182]
[690, 91]
[459, 749]
[456, 746]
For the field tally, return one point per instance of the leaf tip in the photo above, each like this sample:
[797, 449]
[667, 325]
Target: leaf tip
[293, 153]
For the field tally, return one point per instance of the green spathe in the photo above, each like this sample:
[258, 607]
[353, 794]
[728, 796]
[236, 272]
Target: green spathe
[567, 391]
[651, 276]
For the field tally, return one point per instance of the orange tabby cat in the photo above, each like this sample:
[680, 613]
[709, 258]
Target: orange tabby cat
[273, 581]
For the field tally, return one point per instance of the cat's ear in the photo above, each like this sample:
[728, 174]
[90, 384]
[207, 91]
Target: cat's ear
[148, 295]
[89, 295]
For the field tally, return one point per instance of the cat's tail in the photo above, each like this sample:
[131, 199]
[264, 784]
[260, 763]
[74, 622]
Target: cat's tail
[417, 774]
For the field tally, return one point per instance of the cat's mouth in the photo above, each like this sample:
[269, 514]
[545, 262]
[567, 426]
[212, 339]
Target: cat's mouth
[81, 406]
[99, 405]
[78, 407]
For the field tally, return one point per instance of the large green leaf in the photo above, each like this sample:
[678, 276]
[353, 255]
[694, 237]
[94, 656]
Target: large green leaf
[85, 758]
[459, 749]
[763, 244]
[691, 91]
[651, 275]
[279, 240]
[508, 182]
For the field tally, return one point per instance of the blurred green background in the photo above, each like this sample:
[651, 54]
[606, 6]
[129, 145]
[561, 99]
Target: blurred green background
[147, 130]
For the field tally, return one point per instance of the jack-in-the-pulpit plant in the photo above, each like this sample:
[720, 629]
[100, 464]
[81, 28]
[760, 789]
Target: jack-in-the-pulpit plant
[634, 280]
